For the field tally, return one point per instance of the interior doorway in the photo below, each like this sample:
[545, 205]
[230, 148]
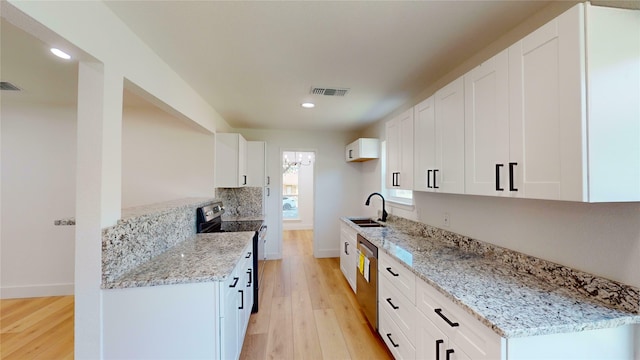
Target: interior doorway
[298, 189]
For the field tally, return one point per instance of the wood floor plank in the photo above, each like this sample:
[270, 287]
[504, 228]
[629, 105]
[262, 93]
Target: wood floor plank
[317, 288]
[331, 337]
[362, 342]
[279, 341]
[306, 343]
[36, 316]
[12, 314]
[254, 347]
[282, 278]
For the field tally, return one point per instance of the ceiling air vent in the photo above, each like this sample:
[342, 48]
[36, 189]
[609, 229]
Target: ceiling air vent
[329, 91]
[5, 85]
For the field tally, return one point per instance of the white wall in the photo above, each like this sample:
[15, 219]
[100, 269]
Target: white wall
[337, 184]
[38, 187]
[603, 239]
[162, 158]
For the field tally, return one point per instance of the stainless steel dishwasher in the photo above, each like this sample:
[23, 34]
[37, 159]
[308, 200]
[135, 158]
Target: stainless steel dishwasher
[367, 291]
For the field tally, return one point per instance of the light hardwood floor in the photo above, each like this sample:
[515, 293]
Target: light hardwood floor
[37, 328]
[307, 311]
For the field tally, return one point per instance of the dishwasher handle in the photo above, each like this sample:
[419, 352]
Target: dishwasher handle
[367, 253]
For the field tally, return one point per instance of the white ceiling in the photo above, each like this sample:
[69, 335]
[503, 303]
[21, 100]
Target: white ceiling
[255, 62]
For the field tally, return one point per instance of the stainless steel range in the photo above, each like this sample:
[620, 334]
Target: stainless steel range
[209, 220]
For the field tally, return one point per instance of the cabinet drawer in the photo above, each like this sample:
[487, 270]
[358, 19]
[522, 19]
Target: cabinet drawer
[393, 337]
[401, 311]
[467, 332]
[398, 275]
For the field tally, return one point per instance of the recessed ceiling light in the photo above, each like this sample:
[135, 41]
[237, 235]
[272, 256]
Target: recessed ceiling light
[61, 54]
[308, 105]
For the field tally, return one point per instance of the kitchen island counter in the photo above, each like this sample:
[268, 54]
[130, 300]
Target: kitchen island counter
[202, 258]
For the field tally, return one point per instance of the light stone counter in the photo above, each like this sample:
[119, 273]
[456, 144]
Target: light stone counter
[513, 294]
[203, 258]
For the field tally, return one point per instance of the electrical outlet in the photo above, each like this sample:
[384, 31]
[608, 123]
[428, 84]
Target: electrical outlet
[446, 219]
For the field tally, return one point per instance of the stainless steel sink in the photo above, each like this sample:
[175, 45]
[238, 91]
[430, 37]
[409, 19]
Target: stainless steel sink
[366, 223]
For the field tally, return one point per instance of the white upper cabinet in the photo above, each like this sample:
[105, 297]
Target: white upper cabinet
[231, 160]
[399, 134]
[256, 169]
[424, 145]
[574, 114]
[439, 141]
[363, 149]
[486, 104]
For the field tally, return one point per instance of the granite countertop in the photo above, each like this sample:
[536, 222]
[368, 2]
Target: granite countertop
[202, 258]
[243, 218]
[511, 303]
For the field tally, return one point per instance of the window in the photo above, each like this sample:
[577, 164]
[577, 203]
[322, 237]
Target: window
[400, 196]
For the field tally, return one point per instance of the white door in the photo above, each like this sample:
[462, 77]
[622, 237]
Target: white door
[487, 127]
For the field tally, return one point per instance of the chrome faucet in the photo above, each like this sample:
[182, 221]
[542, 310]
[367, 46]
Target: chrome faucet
[384, 212]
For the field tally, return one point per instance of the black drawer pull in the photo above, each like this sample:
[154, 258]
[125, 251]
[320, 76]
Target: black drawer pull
[350, 151]
[392, 343]
[438, 342]
[498, 188]
[511, 185]
[392, 273]
[393, 306]
[235, 282]
[241, 299]
[249, 272]
[248, 255]
[449, 352]
[452, 324]
[429, 179]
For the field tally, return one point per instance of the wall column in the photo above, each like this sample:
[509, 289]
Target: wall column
[98, 194]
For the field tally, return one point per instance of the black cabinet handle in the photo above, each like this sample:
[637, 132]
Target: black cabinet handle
[435, 181]
[397, 179]
[393, 306]
[268, 191]
[438, 342]
[429, 179]
[452, 324]
[245, 179]
[392, 343]
[241, 299]
[248, 255]
[511, 182]
[250, 273]
[350, 157]
[268, 180]
[392, 273]
[346, 247]
[449, 352]
[235, 282]
[498, 166]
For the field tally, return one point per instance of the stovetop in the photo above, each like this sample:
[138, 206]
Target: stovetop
[236, 226]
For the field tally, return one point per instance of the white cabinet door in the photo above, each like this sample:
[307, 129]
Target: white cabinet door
[231, 160]
[431, 343]
[487, 127]
[399, 134]
[424, 145]
[231, 303]
[546, 75]
[348, 254]
[256, 170]
[449, 115]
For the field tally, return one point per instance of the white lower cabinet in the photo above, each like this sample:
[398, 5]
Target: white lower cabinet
[394, 338]
[348, 254]
[185, 321]
[235, 307]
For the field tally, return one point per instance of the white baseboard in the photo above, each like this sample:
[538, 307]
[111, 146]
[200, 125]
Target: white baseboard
[15, 292]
